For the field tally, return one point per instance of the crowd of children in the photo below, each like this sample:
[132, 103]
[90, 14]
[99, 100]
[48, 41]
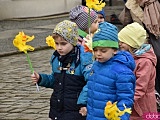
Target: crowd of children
[121, 68]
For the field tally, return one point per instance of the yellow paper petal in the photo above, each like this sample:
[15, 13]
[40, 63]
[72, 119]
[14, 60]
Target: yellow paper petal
[29, 38]
[26, 48]
[50, 42]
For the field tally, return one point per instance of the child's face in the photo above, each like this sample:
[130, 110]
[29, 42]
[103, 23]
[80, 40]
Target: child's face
[100, 18]
[103, 54]
[62, 46]
[124, 46]
[94, 26]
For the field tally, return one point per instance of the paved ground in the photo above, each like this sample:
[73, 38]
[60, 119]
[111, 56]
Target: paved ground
[19, 99]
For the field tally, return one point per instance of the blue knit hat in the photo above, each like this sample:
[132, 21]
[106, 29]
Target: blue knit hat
[107, 36]
[102, 13]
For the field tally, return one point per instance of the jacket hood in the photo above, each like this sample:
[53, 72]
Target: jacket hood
[148, 55]
[125, 58]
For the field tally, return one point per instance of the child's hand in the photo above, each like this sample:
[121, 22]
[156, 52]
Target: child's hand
[83, 111]
[35, 77]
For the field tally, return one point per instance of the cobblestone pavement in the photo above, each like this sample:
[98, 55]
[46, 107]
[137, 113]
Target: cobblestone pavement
[19, 99]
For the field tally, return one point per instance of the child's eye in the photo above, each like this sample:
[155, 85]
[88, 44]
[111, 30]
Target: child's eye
[94, 49]
[101, 17]
[104, 51]
[63, 43]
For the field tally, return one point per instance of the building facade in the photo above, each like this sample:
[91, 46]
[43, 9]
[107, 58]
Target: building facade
[34, 8]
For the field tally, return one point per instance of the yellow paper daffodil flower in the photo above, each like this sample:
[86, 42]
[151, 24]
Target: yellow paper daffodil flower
[50, 42]
[20, 42]
[113, 113]
[95, 4]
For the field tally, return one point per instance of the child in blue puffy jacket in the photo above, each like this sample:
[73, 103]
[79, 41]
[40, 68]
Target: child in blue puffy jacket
[111, 77]
[70, 70]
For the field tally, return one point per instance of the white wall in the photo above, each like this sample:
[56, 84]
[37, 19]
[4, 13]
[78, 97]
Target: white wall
[34, 8]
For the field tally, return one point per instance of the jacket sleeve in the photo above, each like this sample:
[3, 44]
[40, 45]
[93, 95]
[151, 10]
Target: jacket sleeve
[47, 80]
[86, 64]
[86, 59]
[143, 76]
[83, 96]
[125, 85]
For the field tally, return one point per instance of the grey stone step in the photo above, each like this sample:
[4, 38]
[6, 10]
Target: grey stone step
[115, 2]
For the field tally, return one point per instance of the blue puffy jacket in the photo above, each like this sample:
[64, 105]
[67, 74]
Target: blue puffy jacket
[113, 81]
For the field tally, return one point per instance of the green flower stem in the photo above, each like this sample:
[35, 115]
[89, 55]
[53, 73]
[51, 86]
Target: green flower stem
[89, 21]
[31, 68]
[30, 64]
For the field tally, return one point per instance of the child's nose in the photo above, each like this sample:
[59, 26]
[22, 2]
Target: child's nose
[98, 53]
[58, 47]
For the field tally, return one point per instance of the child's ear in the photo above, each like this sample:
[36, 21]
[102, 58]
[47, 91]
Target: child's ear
[115, 51]
[131, 49]
[87, 30]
